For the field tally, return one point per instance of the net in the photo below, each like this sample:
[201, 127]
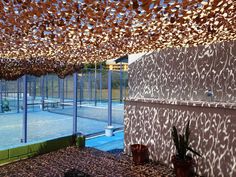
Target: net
[90, 111]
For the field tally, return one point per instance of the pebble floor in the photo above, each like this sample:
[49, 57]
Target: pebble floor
[89, 161]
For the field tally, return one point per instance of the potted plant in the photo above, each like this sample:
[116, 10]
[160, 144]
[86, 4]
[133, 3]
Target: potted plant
[139, 153]
[78, 140]
[183, 163]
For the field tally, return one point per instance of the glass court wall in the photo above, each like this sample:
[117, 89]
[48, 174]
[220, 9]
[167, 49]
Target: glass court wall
[50, 109]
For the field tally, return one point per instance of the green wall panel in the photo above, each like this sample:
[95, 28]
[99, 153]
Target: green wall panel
[19, 151]
[4, 154]
[14, 154]
[34, 148]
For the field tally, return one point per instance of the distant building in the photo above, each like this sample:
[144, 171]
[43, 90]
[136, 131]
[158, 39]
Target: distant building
[124, 61]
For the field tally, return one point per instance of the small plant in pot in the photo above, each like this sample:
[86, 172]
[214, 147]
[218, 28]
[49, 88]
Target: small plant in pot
[183, 163]
[79, 140]
[139, 153]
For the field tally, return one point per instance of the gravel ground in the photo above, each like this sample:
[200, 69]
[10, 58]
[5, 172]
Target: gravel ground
[89, 162]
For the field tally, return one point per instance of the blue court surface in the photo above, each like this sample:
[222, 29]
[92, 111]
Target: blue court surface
[50, 124]
[105, 143]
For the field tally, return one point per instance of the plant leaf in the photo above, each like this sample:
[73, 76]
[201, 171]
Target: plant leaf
[194, 152]
[175, 138]
[187, 133]
[182, 145]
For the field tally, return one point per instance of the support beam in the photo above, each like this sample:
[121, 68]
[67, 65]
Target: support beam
[62, 93]
[95, 85]
[89, 86]
[109, 129]
[66, 87]
[46, 80]
[6, 94]
[125, 87]
[34, 88]
[121, 83]
[75, 78]
[18, 96]
[30, 86]
[81, 90]
[0, 96]
[42, 92]
[59, 85]
[100, 82]
[24, 126]
[109, 97]
[52, 86]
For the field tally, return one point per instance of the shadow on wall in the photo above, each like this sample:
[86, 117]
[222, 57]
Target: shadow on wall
[212, 133]
[186, 74]
[178, 74]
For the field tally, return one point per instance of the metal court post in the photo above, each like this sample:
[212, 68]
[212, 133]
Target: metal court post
[42, 92]
[75, 84]
[62, 93]
[18, 96]
[121, 83]
[95, 85]
[100, 82]
[109, 129]
[89, 86]
[81, 90]
[24, 126]
[109, 97]
[0, 95]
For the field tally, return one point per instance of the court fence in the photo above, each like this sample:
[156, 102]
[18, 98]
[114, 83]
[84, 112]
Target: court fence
[95, 95]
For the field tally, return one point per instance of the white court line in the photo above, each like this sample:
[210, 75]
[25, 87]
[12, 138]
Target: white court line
[88, 106]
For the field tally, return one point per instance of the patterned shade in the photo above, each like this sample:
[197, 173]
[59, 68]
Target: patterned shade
[44, 36]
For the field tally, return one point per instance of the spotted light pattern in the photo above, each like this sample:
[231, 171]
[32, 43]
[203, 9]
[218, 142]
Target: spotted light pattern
[169, 87]
[39, 33]
[186, 73]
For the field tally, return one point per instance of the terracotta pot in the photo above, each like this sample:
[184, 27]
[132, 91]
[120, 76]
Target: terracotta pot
[139, 153]
[183, 168]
